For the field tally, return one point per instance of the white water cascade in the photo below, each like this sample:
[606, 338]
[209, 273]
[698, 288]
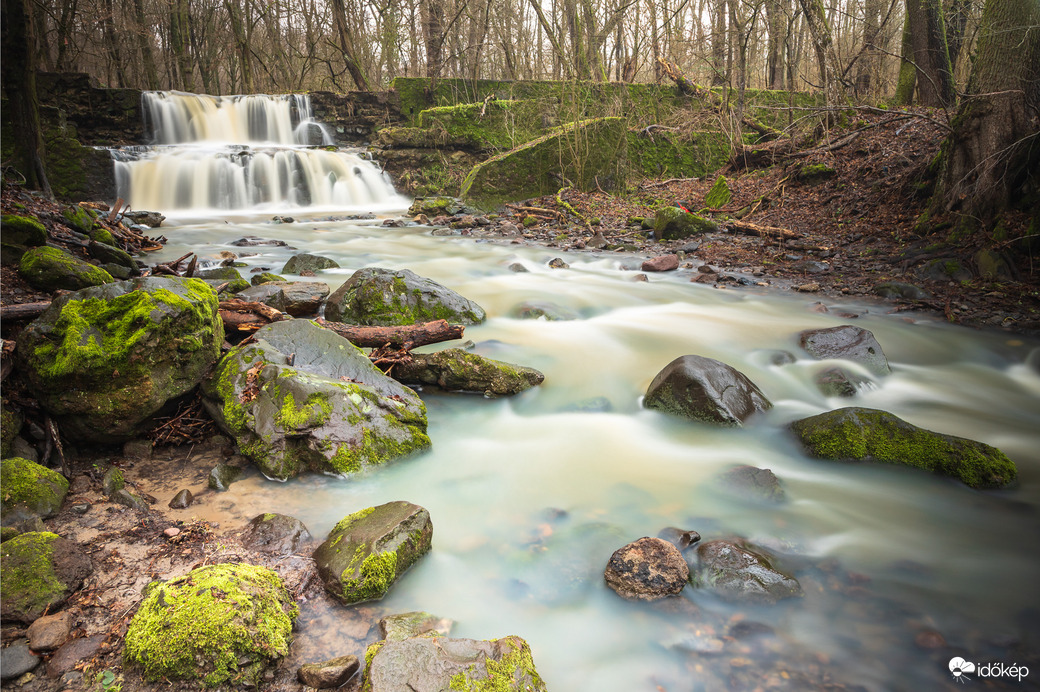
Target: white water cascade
[256, 153]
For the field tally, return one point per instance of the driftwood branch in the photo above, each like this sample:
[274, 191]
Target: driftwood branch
[404, 337]
[24, 311]
[748, 228]
[240, 316]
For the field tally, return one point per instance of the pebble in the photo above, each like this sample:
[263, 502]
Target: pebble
[808, 288]
[171, 532]
[16, 660]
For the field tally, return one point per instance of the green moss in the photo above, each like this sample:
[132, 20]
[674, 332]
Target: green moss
[376, 574]
[28, 487]
[23, 230]
[49, 268]
[346, 522]
[79, 218]
[514, 672]
[10, 426]
[27, 568]
[872, 435]
[265, 278]
[314, 412]
[719, 195]
[100, 234]
[810, 172]
[221, 623]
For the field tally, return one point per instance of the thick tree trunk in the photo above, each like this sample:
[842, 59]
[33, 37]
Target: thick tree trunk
[992, 158]
[907, 81]
[346, 45]
[777, 19]
[931, 52]
[19, 85]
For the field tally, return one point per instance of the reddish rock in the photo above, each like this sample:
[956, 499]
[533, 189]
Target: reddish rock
[647, 570]
[664, 263]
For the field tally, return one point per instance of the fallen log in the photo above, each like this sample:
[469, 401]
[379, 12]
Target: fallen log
[25, 311]
[240, 316]
[748, 228]
[405, 337]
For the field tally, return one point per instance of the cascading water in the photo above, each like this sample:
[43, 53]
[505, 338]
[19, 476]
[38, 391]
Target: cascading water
[213, 154]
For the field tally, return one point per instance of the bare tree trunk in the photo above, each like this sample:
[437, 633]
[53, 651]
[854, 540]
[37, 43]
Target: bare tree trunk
[776, 20]
[993, 155]
[869, 61]
[238, 33]
[719, 42]
[347, 46]
[931, 54]
[179, 44]
[143, 33]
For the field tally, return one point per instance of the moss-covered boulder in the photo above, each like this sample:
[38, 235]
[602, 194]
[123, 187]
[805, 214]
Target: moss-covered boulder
[79, 218]
[673, 223]
[444, 663]
[49, 269]
[217, 624]
[457, 370]
[367, 551]
[105, 359]
[863, 434]
[229, 275]
[583, 154]
[706, 390]
[437, 205]
[264, 277]
[719, 195]
[39, 570]
[108, 254]
[301, 398]
[29, 490]
[17, 233]
[376, 296]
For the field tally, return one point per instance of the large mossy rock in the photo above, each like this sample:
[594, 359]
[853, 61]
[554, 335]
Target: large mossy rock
[49, 269]
[18, 233]
[582, 153]
[846, 342]
[863, 434]
[304, 262]
[435, 205]
[457, 370]
[29, 490]
[217, 624]
[706, 390]
[739, 572]
[302, 398]
[367, 551]
[384, 297]
[39, 570]
[673, 223]
[432, 663]
[106, 359]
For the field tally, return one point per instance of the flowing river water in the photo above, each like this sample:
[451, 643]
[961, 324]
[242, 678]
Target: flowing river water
[530, 495]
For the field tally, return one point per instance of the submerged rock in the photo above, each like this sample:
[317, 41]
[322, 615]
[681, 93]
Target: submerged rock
[404, 625]
[104, 360]
[222, 476]
[39, 570]
[367, 551]
[29, 490]
[218, 624]
[278, 534]
[706, 390]
[899, 290]
[847, 342]
[752, 483]
[442, 663]
[648, 569]
[836, 382]
[863, 434]
[375, 296]
[330, 410]
[454, 369]
[534, 310]
[328, 674]
[739, 573]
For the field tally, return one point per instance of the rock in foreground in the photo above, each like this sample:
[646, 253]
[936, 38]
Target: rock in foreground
[367, 551]
[105, 359]
[303, 398]
[863, 434]
[739, 573]
[705, 389]
[217, 624]
[648, 569]
[30, 490]
[39, 571]
[430, 664]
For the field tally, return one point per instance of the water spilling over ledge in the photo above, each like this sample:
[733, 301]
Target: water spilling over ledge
[255, 153]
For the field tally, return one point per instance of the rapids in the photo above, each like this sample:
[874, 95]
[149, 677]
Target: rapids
[529, 496]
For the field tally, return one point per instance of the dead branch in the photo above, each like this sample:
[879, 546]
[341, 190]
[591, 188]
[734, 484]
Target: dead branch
[25, 311]
[404, 337]
[536, 211]
[748, 228]
[240, 316]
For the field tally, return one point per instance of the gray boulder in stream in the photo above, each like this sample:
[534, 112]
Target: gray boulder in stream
[739, 572]
[431, 663]
[864, 434]
[367, 551]
[706, 390]
[457, 370]
[383, 297]
[302, 398]
[105, 359]
[847, 342]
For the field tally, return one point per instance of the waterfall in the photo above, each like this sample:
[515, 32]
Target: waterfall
[243, 153]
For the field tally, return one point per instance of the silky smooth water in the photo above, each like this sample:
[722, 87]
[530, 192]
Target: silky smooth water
[530, 495]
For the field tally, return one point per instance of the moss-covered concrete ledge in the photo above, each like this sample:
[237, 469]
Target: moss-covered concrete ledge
[217, 624]
[863, 434]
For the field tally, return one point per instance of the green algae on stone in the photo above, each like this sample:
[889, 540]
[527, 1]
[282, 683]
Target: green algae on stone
[22, 230]
[672, 223]
[862, 434]
[39, 571]
[29, 489]
[454, 369]
[79, 218]
[10, 425]
[48, 269]
[265, 278]
[366, 552]
[384, 297]
[719, 195]
[105, 359]
[218, 624]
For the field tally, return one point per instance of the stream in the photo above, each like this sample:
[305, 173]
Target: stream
[530, 495]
